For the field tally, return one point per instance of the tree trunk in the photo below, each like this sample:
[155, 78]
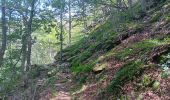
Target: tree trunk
[9, 45]
[24, 52]
[61, 33]
[4, 33]
[70, 20]
[24, 43]
[29, 34]
[143, 5]
[130, 3]
[9, 33]
[84, 14]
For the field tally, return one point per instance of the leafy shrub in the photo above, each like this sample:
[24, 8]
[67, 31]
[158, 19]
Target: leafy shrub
[9, 80]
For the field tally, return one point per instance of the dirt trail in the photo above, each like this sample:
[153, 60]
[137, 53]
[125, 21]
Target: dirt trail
[62, 87]
[62, 96]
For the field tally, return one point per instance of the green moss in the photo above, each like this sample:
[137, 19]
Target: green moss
[146, 80]
[128, 72]
[162, 59]
[35, 72]
[80, 79]
[167, 18]
[99, 67]
[135, 27]
[124, 53]
[96, 41]
[165, 74]
[80, 68]
[51, 81]
[139, 27]
[156, 85]
[133, 68]
[147, 45]
[139, 48]
[82, 57]
[155, 17]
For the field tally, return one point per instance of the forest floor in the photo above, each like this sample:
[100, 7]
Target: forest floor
[62, 87]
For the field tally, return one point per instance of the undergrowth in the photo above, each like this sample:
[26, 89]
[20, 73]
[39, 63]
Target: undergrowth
[80, 68]
[139, 48]
[127, 73]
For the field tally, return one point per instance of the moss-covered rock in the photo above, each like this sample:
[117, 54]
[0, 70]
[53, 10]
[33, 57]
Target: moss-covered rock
[146, 80]
[99, 67]
[156, 85]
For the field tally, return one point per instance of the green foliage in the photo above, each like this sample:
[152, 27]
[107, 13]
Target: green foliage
[80, 68]
[165, 74]
[139, 27]
[9, 79]
[37, 70]
[139, 48]
[164, 63]
[81, 80]
[100, 39]
[155, 17]
[42, 49]
[82, 57]
[136, 26]
[127, 73]
[124, 53]
[51, 81]
[60, 4]
[167, 18]
[146, 80]
[162, 59]
[52, 72]
[15, 35]
[34, 73]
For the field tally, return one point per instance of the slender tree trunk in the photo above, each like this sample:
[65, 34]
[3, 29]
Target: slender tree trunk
[24, 43]
[4, 33]
[10, 42]
[24, 52]
[84, 14]
[61, 33]
[29, 34]
[120, 5]
[10, 45]
[143, 5]
[130, 3]
[70, 20]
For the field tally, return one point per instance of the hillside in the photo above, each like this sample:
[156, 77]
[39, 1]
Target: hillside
[121, 62]
[133, 64]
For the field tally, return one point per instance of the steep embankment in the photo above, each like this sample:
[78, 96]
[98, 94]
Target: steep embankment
[133, 64]
[126, 64]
